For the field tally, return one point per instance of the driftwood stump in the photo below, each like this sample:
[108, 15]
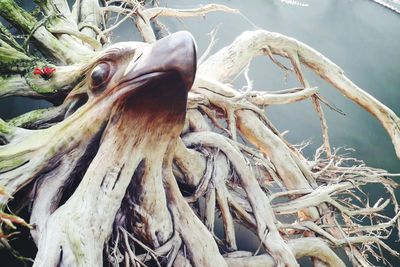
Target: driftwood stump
[140, 152]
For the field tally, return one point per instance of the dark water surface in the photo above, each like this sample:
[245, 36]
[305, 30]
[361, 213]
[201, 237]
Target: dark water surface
[358, 35]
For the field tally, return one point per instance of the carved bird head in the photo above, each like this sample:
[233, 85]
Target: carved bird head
[128, 68]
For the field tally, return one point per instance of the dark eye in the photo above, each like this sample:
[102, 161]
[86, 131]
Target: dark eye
[100, 75]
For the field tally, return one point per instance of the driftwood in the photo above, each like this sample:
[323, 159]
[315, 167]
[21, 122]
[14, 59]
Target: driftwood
[140, 153]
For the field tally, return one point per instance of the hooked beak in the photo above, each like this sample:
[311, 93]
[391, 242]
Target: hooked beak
[172, 55]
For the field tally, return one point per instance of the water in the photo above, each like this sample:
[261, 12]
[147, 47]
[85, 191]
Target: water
[358, 35]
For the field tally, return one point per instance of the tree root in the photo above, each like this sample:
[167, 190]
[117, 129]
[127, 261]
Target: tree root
[125, 177]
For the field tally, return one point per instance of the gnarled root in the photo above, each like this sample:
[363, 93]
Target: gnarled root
[127, 178]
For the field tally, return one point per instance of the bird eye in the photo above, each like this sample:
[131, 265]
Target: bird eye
[100, 75]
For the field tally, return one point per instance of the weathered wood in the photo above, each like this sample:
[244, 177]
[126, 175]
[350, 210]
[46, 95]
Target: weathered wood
[128, 161]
